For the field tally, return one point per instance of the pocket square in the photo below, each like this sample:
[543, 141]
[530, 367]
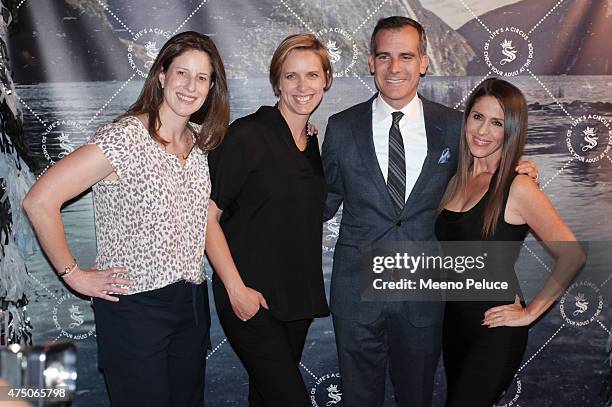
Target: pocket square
[445, 156]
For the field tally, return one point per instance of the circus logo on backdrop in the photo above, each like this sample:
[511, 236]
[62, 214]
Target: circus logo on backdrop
[61, 138]
[514, 55]
[590, 139]
[65, 144]
[512, 394]
[326, 391]
[584, 293]
[509, 51]
[69, 316]
[143, 49]
[582, 304]
[77, 316]
[151, 53]
[333, 51]
[339, 43]
[333, 394]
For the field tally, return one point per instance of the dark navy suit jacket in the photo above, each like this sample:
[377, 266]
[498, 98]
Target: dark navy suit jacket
[354, 179]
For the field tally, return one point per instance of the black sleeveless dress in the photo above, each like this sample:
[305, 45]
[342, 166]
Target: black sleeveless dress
[480, 362]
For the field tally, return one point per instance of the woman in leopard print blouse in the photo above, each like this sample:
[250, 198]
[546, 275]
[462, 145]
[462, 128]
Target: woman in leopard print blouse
[149, 172]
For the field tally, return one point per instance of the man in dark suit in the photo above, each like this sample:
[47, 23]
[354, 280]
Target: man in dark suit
[388, 161]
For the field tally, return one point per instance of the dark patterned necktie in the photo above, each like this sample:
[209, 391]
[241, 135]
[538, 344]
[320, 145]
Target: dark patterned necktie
[396, 177]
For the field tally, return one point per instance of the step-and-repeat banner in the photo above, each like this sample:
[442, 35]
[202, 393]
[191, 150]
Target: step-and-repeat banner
[76, 65]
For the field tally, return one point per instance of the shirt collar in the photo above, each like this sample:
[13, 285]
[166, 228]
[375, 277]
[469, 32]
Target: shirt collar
[382, 110]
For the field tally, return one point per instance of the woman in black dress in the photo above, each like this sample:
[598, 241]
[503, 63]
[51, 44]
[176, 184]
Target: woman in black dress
[265, 226]
[484, 341]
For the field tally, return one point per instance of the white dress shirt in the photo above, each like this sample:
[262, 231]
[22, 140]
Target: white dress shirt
[412, 127]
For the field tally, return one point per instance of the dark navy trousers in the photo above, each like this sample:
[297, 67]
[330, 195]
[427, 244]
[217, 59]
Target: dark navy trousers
[152, 346]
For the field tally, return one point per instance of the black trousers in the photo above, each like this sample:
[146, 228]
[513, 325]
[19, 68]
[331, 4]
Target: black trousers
[270, 351]
[152, 346]
[367, 350]
[479, 362]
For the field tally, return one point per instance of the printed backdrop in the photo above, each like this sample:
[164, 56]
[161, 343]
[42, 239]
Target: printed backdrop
[77, 64]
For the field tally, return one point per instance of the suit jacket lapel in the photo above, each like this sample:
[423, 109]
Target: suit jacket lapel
[363, 136]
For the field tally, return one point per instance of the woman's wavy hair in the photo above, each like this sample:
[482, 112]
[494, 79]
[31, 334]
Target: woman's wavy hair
[213, 116]
[514, 105]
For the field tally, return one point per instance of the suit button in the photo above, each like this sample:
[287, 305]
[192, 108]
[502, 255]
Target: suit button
[399, 223]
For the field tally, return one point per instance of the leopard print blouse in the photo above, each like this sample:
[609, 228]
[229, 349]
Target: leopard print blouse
[152, 220]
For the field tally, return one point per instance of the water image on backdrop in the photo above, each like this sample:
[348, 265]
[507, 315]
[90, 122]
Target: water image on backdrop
[77, 65]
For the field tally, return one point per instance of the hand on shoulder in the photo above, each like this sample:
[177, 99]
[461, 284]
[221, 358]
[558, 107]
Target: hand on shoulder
[523, 187]
[528, 204]
[524, 200]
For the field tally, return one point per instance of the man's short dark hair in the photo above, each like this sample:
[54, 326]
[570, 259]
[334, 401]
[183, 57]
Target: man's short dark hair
[397, 23]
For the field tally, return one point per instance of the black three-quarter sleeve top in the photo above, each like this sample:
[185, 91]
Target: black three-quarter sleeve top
[272, 198]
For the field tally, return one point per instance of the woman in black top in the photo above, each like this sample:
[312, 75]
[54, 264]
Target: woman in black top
[484, 341]
[265, 226]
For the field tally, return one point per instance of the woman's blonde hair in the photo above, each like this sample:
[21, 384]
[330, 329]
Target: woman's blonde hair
[303, 42]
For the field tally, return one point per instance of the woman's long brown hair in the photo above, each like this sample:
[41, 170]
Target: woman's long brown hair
[213, 116]
[514, 105]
